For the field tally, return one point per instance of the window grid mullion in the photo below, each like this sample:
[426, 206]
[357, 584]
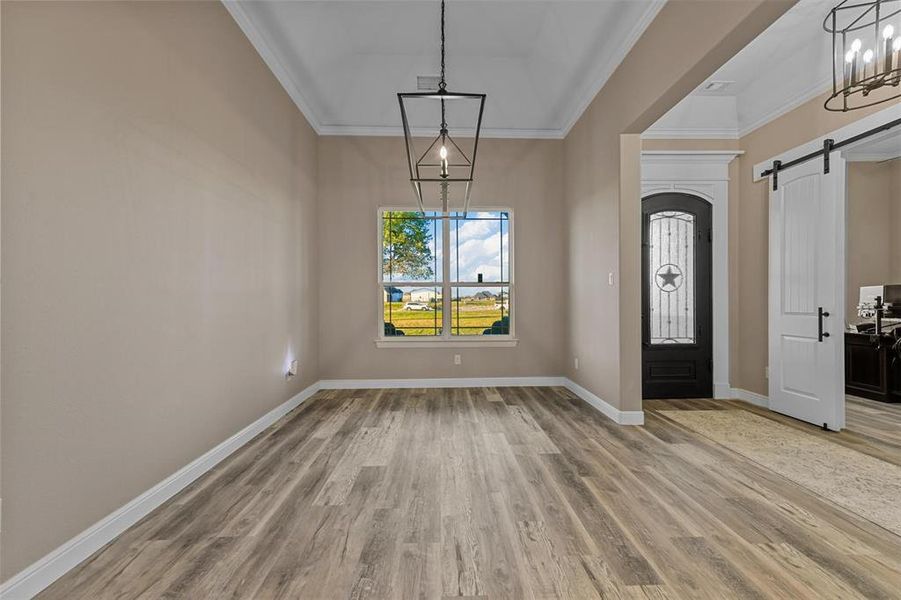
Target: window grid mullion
[445, 279]
[446, 284]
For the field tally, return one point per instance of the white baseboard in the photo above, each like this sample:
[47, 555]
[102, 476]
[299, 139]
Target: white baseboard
[622, 417]
[751, 397]
[634, 417]
[34, 578]
[722, 391]
[447, 382]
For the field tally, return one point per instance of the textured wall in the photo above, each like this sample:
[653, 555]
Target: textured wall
[603, 203]
[357, 175]
[158, 253]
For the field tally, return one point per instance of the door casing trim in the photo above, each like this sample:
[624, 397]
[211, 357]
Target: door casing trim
[704, 174]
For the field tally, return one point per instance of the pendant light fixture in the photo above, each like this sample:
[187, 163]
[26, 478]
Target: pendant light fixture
[450, 122]
[866, 53]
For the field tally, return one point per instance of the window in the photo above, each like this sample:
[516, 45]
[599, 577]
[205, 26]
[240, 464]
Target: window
[445, 276]
[671, 288]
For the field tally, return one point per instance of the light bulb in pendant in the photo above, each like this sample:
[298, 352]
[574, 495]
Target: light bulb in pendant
[855, 45]
[887, 34]
[867, 61]
[443, 154]
[896, 45]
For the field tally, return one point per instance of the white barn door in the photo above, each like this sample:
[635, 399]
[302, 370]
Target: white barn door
[806, 296]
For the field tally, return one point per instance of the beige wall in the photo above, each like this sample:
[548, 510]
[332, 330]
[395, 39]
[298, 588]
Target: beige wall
[896, 239]
[160, 236]
[796, 127]
[158, 253]
[874, 213]
[357, 175]
[602, 211]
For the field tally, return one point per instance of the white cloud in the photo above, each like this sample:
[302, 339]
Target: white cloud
[475, 230]
[482, 256]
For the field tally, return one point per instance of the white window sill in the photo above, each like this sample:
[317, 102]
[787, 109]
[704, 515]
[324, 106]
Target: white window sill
[442, 343]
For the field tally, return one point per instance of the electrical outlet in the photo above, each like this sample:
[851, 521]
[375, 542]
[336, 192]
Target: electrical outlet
[609, 278]
[577, 363]
[457, 360]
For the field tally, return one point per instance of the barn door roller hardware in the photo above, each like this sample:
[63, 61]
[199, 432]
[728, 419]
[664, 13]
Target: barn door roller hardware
[828, 146]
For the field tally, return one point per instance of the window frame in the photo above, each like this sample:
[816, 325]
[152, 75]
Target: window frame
[446, 339]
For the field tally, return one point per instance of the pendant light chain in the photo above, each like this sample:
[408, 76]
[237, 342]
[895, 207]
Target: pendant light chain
[444, 165]
[442, 85]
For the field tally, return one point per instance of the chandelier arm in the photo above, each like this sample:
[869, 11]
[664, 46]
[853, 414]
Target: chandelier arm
[460, 150]
[850, 26]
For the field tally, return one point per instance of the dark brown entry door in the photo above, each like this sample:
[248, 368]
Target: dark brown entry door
[677, 342]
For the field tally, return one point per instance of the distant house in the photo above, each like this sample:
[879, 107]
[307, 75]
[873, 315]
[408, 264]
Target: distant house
[483, 295]
[393, 294]
[424, 295]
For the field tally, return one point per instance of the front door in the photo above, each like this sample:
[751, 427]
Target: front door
[806, 293]
[677, 328]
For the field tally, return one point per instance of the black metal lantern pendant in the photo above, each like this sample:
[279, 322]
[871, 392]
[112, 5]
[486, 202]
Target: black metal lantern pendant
[444, 169]
[866, 53]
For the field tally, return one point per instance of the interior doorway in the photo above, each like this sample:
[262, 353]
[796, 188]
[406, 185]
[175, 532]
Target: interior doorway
[873, 291]
[677, 322]
[812, 304]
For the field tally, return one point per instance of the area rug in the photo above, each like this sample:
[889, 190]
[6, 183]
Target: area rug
[866, 486]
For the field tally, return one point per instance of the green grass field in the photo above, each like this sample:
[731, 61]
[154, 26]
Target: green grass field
[474, 318]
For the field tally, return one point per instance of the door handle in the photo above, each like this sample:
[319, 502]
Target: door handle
[821, 314]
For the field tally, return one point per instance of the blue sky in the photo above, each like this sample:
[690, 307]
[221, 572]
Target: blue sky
[483, 248]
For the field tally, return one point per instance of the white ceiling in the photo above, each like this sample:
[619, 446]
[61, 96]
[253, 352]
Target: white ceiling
[540, 62]
[785, 66]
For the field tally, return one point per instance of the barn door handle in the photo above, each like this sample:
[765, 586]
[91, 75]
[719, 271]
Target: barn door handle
[820, 315]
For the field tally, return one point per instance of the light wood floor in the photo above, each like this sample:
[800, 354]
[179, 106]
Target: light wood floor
[497, 493]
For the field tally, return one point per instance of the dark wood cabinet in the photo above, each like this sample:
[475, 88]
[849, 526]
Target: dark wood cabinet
[869, 371]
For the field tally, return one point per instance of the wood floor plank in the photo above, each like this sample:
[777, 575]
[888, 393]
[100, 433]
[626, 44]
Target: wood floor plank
[522, 493]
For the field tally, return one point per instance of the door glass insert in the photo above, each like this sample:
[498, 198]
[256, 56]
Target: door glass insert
[671, 285]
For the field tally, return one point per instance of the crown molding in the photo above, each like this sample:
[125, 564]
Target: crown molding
[789, 105]
[728, 133]
[712, 133]
[381, 131]
[852, 129]
[681, 157]
[602, 73]
[597, 81]
[258, 41]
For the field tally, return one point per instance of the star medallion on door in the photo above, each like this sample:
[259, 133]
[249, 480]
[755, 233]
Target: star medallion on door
[670, 277]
